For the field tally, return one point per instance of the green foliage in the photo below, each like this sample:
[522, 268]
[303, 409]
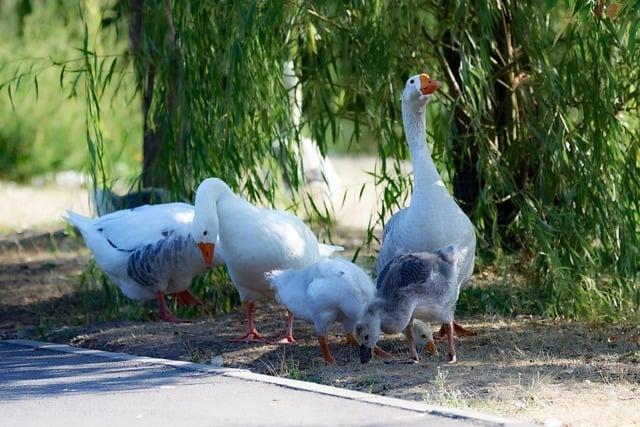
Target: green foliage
[215, 288]
[42, 128]
[567, 158]
[537, 129]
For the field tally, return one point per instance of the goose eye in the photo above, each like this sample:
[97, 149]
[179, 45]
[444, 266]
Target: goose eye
[366, 337]
[205, 232]
[411, 81]
[423, 336]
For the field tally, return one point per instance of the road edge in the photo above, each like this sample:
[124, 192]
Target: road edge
[247, 375]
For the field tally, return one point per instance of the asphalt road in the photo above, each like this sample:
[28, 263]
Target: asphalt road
[49, 385]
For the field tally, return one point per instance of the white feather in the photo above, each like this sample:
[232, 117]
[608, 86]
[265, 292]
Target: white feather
[433, 220]
[327, 291]
[257, 241]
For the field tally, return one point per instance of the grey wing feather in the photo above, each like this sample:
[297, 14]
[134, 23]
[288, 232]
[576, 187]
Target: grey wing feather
[150, 262]
[409, 269]
[383, 274]
[413, 270]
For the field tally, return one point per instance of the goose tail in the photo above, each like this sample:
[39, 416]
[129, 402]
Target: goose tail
[327, 251]
[109, 257]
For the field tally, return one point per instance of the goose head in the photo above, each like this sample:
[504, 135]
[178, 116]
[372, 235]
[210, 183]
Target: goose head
[423, 336]
[205, 220]
[367, 332]
[418, 90]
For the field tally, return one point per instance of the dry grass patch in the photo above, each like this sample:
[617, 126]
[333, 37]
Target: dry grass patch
[526, 367]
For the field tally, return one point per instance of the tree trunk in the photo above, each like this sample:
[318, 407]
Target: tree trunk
[152, 141]
[466, 181]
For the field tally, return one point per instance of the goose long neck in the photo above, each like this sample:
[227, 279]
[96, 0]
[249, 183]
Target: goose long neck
[424, 170]
[209, 193]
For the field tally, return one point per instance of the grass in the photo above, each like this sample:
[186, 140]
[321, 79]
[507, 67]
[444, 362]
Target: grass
[101, 301]
[284, 366]
[445, 395]
[517, 395]
[634, 357]
[196, 354]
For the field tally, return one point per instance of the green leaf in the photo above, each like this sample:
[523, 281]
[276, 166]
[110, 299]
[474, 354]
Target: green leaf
[13, 107]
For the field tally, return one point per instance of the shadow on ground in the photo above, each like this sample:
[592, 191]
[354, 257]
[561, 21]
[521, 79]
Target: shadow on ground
[54, 374]
[528, 367]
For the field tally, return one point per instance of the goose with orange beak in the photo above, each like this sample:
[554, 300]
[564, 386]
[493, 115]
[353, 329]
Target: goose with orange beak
[428, 86]
[153, 251]
[433, 219]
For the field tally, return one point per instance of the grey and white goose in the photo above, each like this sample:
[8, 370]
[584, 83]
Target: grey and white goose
[151, 251]
[420, 285]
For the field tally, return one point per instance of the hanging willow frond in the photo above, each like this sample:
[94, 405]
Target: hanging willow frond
[536, 131]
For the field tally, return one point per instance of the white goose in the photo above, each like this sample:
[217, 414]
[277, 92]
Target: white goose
[325, 292]
[257, 241]
[433, 220]
[155, 250]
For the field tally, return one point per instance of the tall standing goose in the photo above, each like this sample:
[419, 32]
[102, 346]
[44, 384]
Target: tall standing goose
[433, 219]
[154, 250]
[257, 241]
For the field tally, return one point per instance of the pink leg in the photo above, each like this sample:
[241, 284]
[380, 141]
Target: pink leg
[186, 298]
[462, 332]
[165, 313]
[252, 334]
[451, 350]
[458, 329]
[288, 337]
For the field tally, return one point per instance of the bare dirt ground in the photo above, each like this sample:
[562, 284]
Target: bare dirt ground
[546, 370]
[531, 368]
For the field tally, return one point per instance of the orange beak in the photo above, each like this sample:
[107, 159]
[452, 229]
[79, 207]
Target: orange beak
[428, 85]
[207, 250]
[431, 348]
